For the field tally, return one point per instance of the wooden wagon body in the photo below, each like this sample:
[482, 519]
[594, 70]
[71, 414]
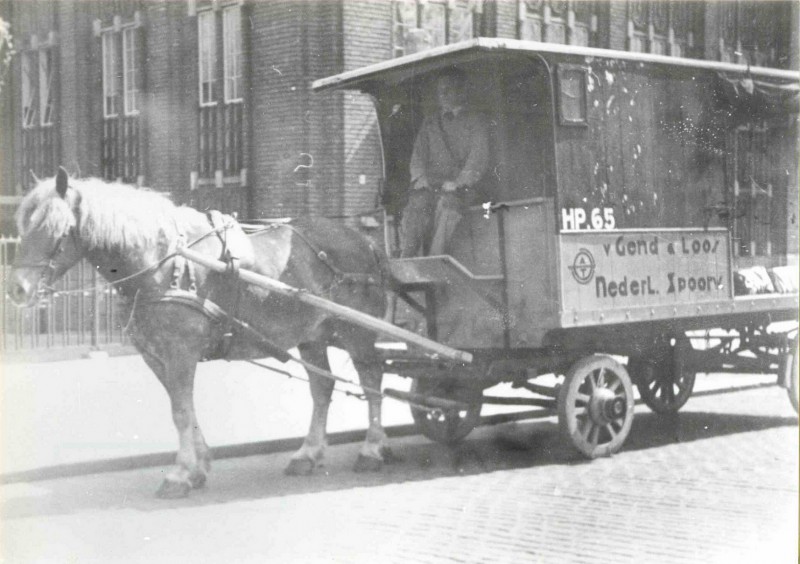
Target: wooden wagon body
[625, 193]
[608, 169]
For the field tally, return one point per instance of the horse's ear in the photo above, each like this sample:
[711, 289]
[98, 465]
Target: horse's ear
[62, 181]
[33, 175]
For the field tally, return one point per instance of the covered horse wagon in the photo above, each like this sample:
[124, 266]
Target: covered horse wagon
[632, 201]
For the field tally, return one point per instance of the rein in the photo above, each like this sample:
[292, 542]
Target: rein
[145, 270]
[339, 275]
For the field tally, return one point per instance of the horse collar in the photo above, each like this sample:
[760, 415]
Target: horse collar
[181, 265]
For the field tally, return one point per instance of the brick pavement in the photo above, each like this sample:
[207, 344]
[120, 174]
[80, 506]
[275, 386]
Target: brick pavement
[717, 484]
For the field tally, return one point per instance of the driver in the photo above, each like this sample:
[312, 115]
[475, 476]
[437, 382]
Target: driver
[450, 156]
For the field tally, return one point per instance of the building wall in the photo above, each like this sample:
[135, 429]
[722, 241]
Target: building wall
[295, 136]
[304, 153]
[367, 25]
[169, 105]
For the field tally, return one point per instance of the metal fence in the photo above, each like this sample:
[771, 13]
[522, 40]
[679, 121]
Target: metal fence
[83, 311]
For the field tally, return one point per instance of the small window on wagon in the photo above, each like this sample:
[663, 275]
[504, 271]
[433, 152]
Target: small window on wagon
[572, 96]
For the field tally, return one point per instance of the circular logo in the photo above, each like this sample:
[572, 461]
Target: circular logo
[582, 268]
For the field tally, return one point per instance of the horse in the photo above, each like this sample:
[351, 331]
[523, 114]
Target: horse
[129, 235]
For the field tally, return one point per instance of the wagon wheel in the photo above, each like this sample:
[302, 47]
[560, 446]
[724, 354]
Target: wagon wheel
[665, 385]
[595, 406]
[447, 426]
[789, 363]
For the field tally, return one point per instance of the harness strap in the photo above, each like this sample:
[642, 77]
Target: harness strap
[322, 256]
[218, 315]
[221, 224]
[179, 265]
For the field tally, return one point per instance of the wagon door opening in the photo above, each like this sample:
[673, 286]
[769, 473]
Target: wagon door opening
[507, 233]
[514, 95]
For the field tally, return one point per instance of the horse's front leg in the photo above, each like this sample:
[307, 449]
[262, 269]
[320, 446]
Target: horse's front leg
[312, 452]
[192, 462]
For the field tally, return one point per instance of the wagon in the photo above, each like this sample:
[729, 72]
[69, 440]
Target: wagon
[638, 206]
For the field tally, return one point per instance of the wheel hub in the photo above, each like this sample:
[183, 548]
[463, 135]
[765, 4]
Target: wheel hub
[605, 406]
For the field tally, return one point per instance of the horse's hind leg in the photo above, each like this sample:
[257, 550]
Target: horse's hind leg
[192, 461]
[203, 454]
[374, 452]
[312, 452]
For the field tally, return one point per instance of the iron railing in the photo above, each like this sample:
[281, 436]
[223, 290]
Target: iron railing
[83, 311]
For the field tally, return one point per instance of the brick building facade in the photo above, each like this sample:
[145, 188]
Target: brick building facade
[210, 99]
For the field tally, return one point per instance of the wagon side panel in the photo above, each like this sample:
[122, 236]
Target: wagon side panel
[643, 275]
[651, 146]
[469, 303]
[531, 272]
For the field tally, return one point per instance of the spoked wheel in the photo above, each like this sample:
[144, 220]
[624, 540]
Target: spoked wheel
[666, 384]
[447, 426]
[788, 374]
[595, 406]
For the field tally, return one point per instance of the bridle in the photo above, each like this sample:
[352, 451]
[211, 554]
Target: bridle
[49, 264]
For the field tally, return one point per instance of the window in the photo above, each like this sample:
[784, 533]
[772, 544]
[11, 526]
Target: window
[663, 28]
[28, 90]
[422, 24]
[572, 84]
[45, 87]
[232, 53]
[39, 138]
[207, 39]
[110, 75]
[558, 21]
[220, 94]
[754, 32]
[130, 74]
[121, 83]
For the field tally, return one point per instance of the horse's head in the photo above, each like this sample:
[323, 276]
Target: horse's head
[48, 225]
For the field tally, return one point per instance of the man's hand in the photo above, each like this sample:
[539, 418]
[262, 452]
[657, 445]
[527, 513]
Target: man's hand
[420, 183]
[449, 186]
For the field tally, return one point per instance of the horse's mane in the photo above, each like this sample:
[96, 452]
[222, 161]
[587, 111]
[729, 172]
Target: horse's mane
[111, 215]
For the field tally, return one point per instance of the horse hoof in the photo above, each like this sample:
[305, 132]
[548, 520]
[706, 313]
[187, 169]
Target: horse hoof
[173, 490]
[197, 480]
[299, 467]
[389, 457]
[367, 464]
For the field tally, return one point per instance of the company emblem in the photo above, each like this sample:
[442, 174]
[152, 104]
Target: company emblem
[582, 268]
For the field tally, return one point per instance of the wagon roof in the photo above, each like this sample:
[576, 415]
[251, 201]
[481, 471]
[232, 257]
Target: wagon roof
[394, 71]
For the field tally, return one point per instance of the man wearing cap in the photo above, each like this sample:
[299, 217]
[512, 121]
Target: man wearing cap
[450, 156]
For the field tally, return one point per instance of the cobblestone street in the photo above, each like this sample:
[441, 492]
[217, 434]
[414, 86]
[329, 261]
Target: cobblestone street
[718, 483]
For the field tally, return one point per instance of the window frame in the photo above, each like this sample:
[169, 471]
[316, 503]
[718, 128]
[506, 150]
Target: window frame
[130, 71]
[207, 58]
[29, 90]
[111, 86]
[562, 71]
[232, 54]
[46, 104]
[403, 42]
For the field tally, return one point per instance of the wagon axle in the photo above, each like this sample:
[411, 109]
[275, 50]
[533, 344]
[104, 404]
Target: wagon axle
[605, 406]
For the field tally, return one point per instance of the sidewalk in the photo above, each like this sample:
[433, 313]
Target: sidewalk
[74, 411]
[68, 412]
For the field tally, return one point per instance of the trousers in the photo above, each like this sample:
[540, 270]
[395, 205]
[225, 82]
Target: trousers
[429, 220]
